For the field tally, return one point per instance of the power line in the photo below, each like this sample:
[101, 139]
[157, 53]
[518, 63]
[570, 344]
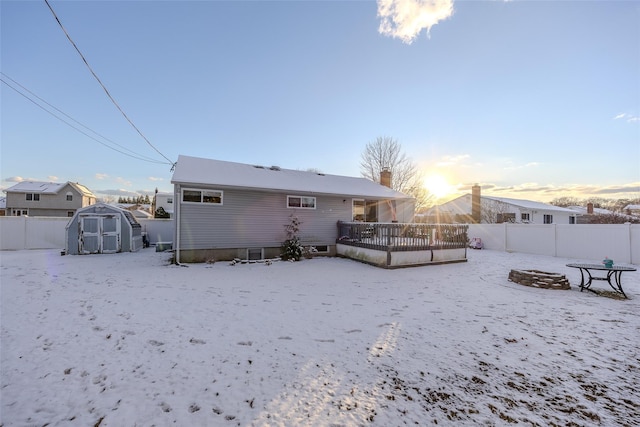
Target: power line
[137, 155]
[103, 86]
[134, 155]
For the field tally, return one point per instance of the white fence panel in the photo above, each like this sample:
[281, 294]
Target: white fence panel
[24, 232]
[595, 241]
[12, 232]
[46, 232]
[158, 230]
[620, 242]
[493, 235]
[634, 236]
[531, 238]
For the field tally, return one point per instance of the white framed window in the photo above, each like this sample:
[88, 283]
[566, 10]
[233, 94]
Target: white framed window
[19, 212]
[303, 202]
[525, 217]
[194, 195]
[33, 197]
[547, 219]
[69, 197]
[169, 199]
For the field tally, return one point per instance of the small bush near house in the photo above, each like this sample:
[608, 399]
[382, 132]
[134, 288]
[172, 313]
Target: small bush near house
[291, 248]
[161, 213]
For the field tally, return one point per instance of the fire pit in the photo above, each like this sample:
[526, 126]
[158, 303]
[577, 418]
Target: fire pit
[539, 279]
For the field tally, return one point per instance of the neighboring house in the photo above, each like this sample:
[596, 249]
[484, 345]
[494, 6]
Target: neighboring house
[586, 214]
[164, 201]
[593, 215]
[632, 210]
[47, 198]
[225, 210]
[3, 206]
[499, 210]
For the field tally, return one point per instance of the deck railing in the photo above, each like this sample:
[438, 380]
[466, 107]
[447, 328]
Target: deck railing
[397, 237]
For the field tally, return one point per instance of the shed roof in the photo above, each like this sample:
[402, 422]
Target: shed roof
[196, 170]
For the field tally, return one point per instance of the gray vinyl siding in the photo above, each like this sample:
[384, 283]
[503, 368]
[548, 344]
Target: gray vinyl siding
[257, 219]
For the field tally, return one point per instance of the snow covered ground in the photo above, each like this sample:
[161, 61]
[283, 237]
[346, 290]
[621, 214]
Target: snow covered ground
[127, 339]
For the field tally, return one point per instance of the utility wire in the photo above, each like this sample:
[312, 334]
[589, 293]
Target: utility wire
[103, 86]
[137, 155]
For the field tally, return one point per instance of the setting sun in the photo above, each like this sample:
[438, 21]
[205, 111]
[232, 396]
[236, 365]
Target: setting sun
[437, 185]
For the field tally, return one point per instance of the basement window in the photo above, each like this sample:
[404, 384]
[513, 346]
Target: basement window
[255, 254]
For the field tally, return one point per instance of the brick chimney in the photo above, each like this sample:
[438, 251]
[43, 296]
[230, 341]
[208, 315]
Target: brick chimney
[475, 203]
[590, 208]
[385, 177]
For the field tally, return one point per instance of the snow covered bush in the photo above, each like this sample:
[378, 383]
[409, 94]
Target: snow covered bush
[291, 248]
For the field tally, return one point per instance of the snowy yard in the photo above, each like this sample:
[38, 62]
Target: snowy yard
[126, 339]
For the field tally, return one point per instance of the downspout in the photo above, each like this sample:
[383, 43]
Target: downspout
[177, 203]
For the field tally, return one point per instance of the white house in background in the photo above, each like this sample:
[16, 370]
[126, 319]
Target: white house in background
[164, 201]
[225, 210]
[3, 206]
[47, 198]
[501, 209]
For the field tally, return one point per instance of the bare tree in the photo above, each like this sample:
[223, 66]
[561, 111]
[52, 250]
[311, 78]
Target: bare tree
[492, 210]
[386, 153]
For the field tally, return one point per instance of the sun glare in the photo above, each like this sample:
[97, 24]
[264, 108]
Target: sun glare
[437, 185]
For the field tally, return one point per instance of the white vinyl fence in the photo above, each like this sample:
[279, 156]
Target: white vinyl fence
[24, 232]
[620, 242]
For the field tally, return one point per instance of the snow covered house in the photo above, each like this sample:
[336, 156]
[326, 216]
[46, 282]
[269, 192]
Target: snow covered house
[102, 228]
[226, 210]
[500, 210]
[47, 198]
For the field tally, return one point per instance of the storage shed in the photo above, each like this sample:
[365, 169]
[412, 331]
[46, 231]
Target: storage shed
[102, 229]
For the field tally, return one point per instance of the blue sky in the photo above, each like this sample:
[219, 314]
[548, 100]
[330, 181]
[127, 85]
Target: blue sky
[531, 99]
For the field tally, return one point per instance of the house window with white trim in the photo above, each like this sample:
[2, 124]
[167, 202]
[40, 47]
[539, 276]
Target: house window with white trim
[303, 202]
[192, 195]
[525, 217]
[33, 197]
[19, 212]
[69, 197]
[547, 219]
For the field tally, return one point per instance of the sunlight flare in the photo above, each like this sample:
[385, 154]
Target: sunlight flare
[437, 185]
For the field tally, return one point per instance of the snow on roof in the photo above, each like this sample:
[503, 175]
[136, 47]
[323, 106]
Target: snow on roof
[47, 187]
[529, 204]
[462, 205]
[597, 211]
[198, 171]
[36, 187]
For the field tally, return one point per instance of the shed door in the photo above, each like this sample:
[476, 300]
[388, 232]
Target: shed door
[89, 238]
[110, 234]
[99, 234]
